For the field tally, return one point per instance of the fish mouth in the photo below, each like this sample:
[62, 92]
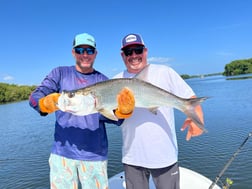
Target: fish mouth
[68, 110]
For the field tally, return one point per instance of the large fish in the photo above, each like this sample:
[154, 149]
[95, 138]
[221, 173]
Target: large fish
[101, 97]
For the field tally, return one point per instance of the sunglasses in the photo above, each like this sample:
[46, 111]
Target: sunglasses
[81, 50]
[129, 51]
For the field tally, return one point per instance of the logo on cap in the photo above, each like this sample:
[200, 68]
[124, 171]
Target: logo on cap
[130, 38]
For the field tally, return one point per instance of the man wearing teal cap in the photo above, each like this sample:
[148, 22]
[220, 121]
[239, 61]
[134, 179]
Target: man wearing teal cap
[84, 38]
[80, 148]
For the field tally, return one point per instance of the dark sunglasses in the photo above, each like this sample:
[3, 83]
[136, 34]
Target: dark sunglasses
[129, 51]
[81, 50]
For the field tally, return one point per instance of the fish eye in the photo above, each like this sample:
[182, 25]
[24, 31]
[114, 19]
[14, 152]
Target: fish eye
[71, 94]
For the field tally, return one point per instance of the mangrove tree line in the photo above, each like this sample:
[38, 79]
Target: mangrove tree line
[13, 93]
[238, 67]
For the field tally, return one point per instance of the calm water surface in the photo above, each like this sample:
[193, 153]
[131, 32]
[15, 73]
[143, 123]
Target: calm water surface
[228, 120]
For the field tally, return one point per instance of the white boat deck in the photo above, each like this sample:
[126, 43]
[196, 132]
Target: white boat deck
[188, 180]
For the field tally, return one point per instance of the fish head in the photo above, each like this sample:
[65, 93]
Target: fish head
[76, 103]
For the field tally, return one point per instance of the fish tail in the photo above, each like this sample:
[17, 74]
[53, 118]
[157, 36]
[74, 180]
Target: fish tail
[191, 113]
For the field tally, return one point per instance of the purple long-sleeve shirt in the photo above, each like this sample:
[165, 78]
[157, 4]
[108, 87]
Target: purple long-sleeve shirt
[75, 137]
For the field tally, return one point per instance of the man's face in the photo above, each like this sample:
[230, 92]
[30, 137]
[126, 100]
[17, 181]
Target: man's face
[134, 57]
[85, 56]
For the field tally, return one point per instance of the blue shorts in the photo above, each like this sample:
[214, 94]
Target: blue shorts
[66, 173]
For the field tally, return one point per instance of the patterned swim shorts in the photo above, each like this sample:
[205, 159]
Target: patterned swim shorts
[67, 173]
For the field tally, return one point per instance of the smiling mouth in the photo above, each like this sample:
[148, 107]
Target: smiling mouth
[135, 60]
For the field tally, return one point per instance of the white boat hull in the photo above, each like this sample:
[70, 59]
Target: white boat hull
[188, 180]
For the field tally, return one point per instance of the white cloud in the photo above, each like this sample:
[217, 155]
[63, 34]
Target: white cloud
[8, 78]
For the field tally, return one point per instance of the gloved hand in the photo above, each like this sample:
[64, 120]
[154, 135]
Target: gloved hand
[126, 103]
[48, 103]
[193, 129]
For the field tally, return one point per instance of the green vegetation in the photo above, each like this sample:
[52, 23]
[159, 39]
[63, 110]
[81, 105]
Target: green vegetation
[13, 93]
[238, 67]
[185, 76]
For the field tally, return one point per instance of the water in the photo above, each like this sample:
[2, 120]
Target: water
[227, 118]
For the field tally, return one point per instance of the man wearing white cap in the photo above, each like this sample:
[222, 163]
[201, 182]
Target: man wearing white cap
[80, 148]
[149, 139]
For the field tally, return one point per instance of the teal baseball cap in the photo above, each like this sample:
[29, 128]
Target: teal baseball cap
[84, 39]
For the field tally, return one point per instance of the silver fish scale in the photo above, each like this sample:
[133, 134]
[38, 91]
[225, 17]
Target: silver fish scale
[146, 95]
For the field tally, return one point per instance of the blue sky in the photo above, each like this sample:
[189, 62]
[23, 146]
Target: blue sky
[191, 36]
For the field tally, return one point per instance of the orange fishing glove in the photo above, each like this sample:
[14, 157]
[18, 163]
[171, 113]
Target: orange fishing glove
[193, 129]
[48, 103]
[126, 103]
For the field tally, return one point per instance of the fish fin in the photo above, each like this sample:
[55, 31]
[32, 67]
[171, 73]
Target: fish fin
[143, 75]
[190, 112]
[108, 114]
[153, 110]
